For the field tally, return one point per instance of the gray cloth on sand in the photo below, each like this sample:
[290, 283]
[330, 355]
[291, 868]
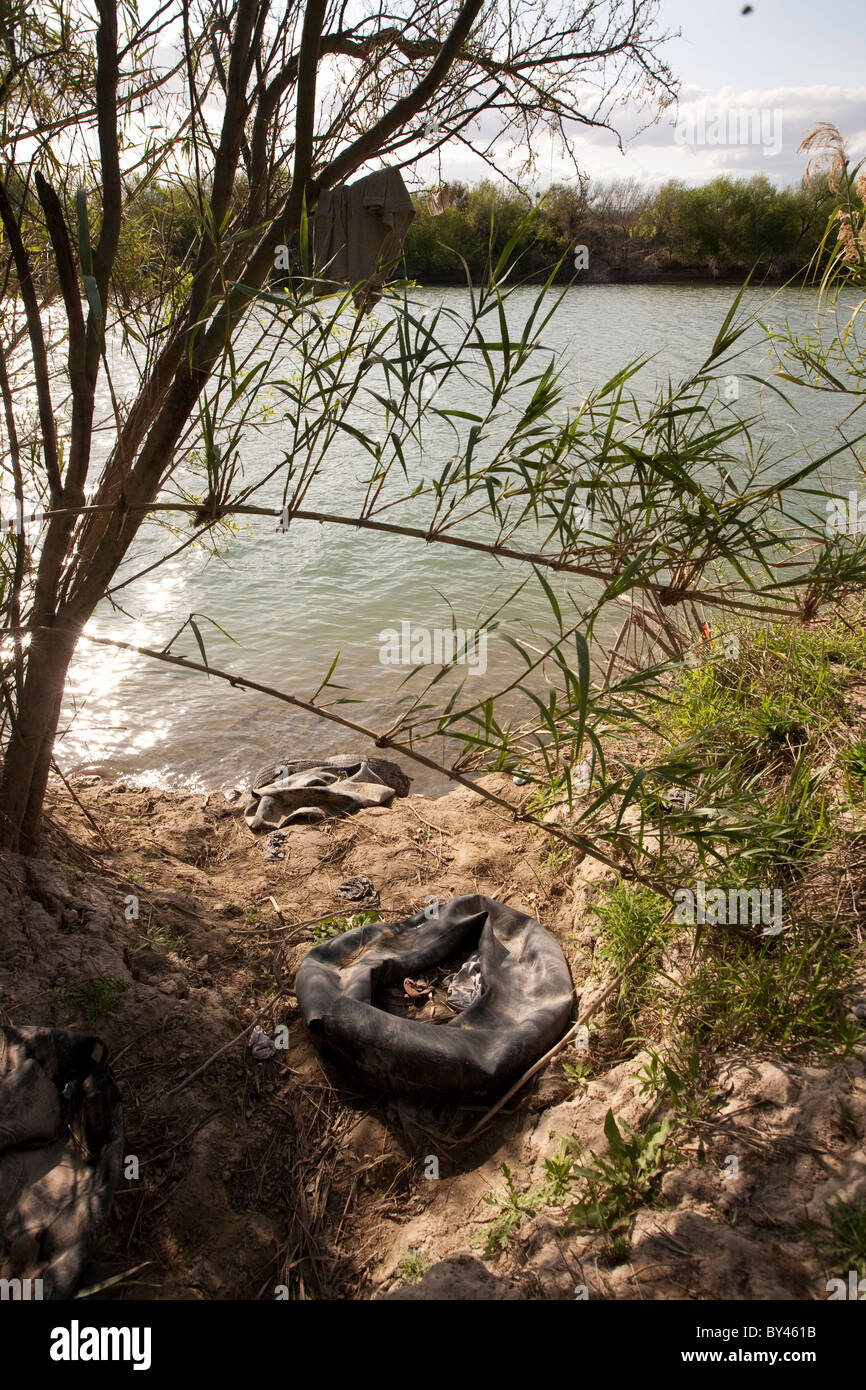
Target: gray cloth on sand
[359, 230]
[311, 789]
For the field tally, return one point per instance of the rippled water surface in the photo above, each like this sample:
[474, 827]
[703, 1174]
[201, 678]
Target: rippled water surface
[292, 601]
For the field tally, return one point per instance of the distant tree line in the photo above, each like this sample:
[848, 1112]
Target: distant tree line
[722, 229]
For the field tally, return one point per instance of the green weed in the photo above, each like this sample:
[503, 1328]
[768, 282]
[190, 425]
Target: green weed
[578, 1073]
[161, 937]
[335, 926]
[842, 1241]
[90, 1000]
[617, 1184]
[558, 857]
[779, 691]
[677, 1080]
[513, 1206]
[782, 993]
[629, 917]
[611, 1188]
[412, 1267]
[853, 760]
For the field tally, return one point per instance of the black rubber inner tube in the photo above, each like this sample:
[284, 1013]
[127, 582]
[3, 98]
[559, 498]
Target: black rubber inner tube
[523, 1008]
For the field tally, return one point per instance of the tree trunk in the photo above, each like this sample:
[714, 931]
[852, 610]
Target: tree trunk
[28, 754]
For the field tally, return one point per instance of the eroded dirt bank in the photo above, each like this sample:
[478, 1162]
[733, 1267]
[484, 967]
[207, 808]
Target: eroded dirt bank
[261, 1177]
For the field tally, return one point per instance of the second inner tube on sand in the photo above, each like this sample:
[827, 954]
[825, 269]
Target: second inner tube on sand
[523, 1008]
[61, 1151]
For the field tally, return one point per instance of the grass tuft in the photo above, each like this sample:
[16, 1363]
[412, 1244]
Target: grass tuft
[90, 1000]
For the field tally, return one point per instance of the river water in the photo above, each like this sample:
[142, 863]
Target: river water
[292, 602]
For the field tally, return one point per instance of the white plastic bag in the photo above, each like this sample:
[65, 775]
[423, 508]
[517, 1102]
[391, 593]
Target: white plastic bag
[464, 987]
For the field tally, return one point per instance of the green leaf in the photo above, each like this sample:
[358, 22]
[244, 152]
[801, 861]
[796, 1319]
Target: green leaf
[551, 596]
[198, 638]
[615, 1140]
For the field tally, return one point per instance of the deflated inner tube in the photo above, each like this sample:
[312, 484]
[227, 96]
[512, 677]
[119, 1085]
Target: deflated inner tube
[524, 1005]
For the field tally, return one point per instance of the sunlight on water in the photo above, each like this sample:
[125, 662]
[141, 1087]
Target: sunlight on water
[292, 602]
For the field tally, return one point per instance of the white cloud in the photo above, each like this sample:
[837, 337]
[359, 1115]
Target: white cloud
[659, 153]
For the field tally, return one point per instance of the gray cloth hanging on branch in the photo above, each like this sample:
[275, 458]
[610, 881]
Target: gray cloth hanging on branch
[358, 232]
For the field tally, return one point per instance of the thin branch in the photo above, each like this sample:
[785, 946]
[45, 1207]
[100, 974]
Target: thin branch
[37, 344]
[379, 740]
[491, 548]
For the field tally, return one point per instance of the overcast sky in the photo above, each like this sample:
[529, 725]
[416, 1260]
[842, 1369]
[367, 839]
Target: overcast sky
[751, 87]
